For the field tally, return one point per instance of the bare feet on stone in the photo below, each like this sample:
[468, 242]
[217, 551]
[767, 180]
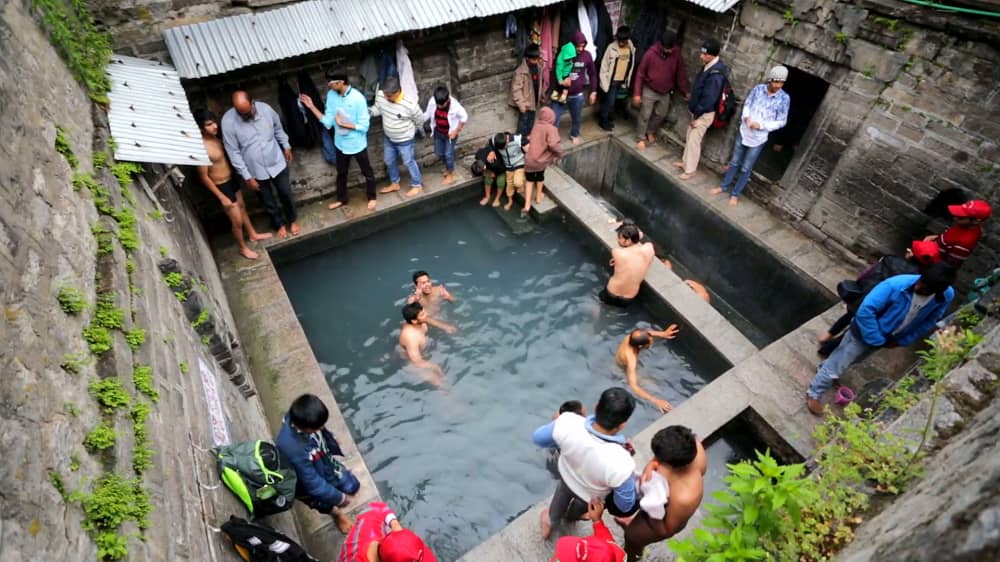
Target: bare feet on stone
[485, 200]
[390, 188]
[344, 523]
[733, 200]
[258, 236]
[296, 229]
[335, 205]
[496, 203]
[510, 203]
[686, 175]
[449, 178]
[248, 253]
[575, 141]
[282, 232]
[540, 197]
[372, 204]
[679, 164]
[641, 145]
[716, 191]
[415, 190]
[815, 407]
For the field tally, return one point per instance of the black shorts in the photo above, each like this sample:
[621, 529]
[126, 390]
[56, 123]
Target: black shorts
[614, 300]
[230, 189]
[534, 176]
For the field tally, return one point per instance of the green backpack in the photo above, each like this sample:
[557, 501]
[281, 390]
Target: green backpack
[259, 475]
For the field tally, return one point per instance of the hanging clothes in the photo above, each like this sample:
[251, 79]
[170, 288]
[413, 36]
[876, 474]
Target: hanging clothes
[569, 24]
[308, 87]
[406, 80]
[604, 32]
[300, 132]
[386, 64]
[649, 25]
[545, 44]
[521, 40]
[584, 22]
[369, 77]
[510, 27]
[592, 17]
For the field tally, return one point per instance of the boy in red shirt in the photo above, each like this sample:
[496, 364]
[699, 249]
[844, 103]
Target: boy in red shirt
[960, 239]
[599, 547]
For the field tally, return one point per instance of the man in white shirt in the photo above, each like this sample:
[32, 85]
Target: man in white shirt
[595, 460]
[765, 110]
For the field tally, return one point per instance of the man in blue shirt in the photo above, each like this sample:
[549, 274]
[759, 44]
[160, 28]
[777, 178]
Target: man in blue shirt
[324, 484]
[765, 110]
[347, 116]
[595, 460]
[897, 312]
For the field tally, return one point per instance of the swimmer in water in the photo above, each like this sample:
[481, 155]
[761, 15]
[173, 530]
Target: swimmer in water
[427, 293]
[413, 340]
[628, 357]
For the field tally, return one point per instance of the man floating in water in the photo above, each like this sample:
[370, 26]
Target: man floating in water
[413, 339]
[628, 357]
[427, 293]
[631, 260]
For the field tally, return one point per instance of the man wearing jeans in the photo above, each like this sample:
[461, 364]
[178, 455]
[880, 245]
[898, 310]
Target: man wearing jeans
[581, 80]
[765, 110]
[704, 101]
[400, 119]
[258, 148]
[347, 114]
[595, 460]
[616, 73]
[447, 118]
[897, 312]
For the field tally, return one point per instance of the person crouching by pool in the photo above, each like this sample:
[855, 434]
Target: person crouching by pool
[630, 261]
[324, 484]
[413, 340]
[672, 488]
[627, 356]
[378, 536]
[599, 547]
[427, 293]
[510, 150]
[594, 460]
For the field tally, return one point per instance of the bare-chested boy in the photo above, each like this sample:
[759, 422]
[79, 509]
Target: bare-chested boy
[427, 293]
[413, 340]
[628, 357]
[631, 260]
[672, 485]
[218, 178]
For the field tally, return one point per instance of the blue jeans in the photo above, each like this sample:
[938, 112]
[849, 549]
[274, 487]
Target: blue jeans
[525, 121]
[744, 157]
[346, 484]
[445, 149]
[850, 349]
[608, 105]
[575, 104]
[405, 151]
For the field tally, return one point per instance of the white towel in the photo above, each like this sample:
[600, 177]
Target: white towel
[584, 19]
[407, 83]
[655, 495]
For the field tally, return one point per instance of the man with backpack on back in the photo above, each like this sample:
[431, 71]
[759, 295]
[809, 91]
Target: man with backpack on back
[705, 96]
[765, 110]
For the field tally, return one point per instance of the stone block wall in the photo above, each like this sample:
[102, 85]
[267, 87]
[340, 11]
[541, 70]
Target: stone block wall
[136, 26]
[46, 410]
[909, 112]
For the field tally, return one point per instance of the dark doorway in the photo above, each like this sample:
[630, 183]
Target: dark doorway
[807, 93]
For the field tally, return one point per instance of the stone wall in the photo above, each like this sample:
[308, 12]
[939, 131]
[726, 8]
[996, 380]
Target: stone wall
[136, 26]
[910, 111]
[45, 409]
[472, 59]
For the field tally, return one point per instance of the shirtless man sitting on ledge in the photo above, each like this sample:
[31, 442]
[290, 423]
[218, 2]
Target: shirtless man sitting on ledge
[631, 260]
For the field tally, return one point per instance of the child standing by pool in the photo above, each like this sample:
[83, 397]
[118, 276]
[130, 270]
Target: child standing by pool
[544, 148]
[510, 150]
[494, 173]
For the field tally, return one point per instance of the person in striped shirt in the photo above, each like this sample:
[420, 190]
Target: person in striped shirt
[400, 119]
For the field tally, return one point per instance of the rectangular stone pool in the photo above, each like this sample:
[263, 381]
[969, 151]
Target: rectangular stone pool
[457, 462]
[761, 294]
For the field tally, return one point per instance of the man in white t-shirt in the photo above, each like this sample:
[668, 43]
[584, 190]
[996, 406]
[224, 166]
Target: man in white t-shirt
[595, 460]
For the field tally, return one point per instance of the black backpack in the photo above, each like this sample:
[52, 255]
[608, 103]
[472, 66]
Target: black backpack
[256, 543]
[726, 108]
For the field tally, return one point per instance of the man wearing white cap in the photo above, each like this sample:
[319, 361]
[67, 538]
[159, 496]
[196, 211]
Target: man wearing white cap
[765, 110]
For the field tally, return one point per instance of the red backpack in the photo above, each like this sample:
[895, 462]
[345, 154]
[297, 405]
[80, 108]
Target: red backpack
[726, 108]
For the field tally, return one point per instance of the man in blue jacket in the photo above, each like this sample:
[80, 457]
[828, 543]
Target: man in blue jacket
[703, 102]
[324, 484]
[897, 312]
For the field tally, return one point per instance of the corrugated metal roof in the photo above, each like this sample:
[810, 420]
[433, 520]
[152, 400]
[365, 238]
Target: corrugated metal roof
[715, 5]
[150, 118]
[227, 44]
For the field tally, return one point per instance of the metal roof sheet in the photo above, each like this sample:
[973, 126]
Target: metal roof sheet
[149, 117]
[715, 5]
[226, 44]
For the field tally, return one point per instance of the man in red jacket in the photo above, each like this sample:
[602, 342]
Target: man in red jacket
[660, 73]
[961, 238]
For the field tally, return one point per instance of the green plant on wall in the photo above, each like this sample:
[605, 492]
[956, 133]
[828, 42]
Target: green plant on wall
[789, 17]
[110, 394]
[71, 300]
[125, 172]
[142, 378]
[135, 338]
[100, 439]
[98, 338]
[73, 363]
[113, 501]
[63, 147]
[85, 49]
[841, 38]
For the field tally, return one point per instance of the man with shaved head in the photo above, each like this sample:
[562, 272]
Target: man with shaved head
[258, 148]
[628, 357]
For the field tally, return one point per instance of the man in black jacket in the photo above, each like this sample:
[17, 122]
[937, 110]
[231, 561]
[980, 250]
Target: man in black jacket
[704, 100]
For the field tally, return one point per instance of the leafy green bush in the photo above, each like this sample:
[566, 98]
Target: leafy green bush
[110, 394]
[98, 338]
[63, 147]
[113, 501]
[71, 300]
[106, 314]
[100, 438]
[142, 378]
[85, 49]
[135, 338]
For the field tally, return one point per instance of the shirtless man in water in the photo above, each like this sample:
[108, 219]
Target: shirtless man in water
[428, 294]
[218, 178]
[628, 357]
[672, 486]
[631, 260]
[413, 340]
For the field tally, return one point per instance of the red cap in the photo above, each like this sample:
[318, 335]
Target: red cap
[975, 209]
[926, 252]
[590, 549]
[404, 546]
